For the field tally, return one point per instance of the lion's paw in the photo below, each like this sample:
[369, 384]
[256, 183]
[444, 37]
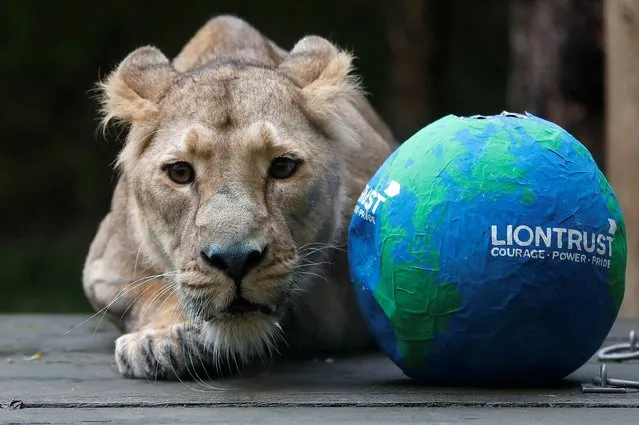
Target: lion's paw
[157, 353]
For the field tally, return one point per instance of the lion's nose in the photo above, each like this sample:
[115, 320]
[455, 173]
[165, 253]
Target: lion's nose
[235, 261]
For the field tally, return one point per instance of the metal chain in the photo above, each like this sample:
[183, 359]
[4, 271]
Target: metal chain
[615, 353]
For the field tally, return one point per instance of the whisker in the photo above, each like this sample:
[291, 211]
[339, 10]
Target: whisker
[184, 351]
[207, 352]
[199, 354]
[125, 290]
[309, 249]
[188, 353]
[193, 373]
[323, 245]
[308, 273]
[168, 290]
[132, 303]
[314, 264]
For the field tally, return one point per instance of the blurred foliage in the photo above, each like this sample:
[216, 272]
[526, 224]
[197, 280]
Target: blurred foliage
[55, 169]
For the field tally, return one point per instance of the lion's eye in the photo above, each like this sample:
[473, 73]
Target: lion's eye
[283, 167]
[180, 172]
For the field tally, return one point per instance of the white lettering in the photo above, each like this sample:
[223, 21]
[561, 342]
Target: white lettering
[518, 239]
[368, 202]
[591, 248]
[601, 250]
[574, 238]
[560, 233]
[495, 241]
[545, 234]
[380, 199]
[523, 241]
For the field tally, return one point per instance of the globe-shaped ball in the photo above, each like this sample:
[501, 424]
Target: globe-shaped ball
[488, 249]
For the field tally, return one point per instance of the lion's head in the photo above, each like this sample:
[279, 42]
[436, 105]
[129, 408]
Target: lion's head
[235, 177]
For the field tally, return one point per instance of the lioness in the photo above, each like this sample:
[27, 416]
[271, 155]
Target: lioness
[226, 237]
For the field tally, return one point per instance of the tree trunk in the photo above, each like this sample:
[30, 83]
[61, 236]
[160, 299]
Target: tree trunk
[557, 66]
[622, 115]
[409, 41]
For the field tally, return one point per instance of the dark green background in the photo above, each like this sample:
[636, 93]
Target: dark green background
[55, 169]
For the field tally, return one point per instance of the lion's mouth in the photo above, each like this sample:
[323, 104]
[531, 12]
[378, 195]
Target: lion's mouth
[240, 306]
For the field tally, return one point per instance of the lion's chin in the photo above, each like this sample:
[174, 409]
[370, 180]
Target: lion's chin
[243, 337]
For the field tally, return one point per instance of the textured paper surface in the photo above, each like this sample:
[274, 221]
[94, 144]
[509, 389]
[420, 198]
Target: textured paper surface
[489, 249]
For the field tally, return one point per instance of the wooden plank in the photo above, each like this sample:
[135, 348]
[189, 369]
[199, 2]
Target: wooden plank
[622, 123]
[334, 416]
[77, 370]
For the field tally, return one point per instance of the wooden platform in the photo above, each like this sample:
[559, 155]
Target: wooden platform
[75, 380]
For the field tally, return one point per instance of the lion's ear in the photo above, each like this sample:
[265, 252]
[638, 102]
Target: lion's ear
[133, 91]
[324, 74]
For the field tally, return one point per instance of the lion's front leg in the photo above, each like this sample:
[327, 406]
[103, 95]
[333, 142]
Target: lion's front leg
[164, 342]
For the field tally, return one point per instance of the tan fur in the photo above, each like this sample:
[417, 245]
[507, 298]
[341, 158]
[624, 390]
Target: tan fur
[229, 104]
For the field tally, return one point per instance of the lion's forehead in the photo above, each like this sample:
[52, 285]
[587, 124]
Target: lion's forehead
[232, 97]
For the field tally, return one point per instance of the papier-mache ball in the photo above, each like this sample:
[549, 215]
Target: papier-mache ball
[488, 250]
